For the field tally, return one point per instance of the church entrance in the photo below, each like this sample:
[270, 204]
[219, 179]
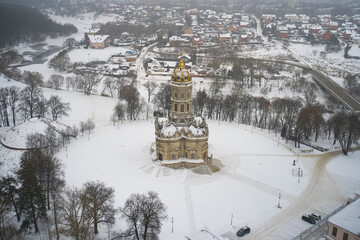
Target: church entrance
[160, 156]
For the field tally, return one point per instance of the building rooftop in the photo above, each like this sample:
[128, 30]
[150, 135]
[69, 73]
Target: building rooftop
[348, 218]
[98, 38]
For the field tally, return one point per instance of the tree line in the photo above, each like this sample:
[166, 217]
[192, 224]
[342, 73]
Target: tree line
[25, 24]
[294, 118]
[29, 102]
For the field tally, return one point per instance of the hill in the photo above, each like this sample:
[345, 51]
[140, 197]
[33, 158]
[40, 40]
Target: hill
[20, 23]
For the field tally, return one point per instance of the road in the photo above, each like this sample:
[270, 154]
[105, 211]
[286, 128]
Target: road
[319, 192]
[341, 94]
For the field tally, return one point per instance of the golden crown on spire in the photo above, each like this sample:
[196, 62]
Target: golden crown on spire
[181, 64]
[181, 74]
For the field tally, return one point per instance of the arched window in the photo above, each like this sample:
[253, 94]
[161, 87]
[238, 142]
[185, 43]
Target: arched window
[173, 156]
[175, 95]
[160, 156]
[182, 108]
[175, 107]
[182, 95]
[188, 107]
[193, 156]
[188, 95]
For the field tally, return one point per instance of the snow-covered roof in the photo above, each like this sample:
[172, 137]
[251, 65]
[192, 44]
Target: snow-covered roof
[197, 131]
[93, 30]
[98, 38]
[169, 131]
[225, 35]
[348, 218]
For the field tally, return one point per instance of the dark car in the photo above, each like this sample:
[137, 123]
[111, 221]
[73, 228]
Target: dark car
[243, 231]
[308, 218]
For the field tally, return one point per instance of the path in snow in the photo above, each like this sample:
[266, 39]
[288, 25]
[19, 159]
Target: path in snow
[320, 196]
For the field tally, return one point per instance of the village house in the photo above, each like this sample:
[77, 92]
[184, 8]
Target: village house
[325, 35]
[291, 17]
[282, 32]
[225, 38]
[90, 32]
[345, 225]
[98, 41]
[243, 38]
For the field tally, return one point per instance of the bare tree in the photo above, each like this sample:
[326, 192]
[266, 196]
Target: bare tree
[132, 97]
[4, 114]
[33, 79]
[14, 96]
[70, 43]
[163, 98]
[346, 128]
[99, 201]
[199, 101]
[89, 125]
[29, 98]
[108, 85]
[150, 87]
[56, 81]
[144, 214]
[60, 61]
[119, 111]
[57, 107]
[88, 82]
[76, 219]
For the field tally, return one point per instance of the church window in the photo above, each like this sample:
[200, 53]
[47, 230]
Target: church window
[193, 156]
[182, 95]
[188, 95]
[175, 94]
[175, 107]
[173, 156]
[182, 108]
[160, 156]
[188, 107]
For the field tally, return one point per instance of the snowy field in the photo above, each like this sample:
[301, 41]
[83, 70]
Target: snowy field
[89, 55]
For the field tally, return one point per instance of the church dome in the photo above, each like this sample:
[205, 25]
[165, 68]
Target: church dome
[181, 73]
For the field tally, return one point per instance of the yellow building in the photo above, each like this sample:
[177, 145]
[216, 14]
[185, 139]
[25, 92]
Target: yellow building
[181, 139]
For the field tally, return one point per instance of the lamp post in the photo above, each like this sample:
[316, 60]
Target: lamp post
[172, 224]
[279, 206]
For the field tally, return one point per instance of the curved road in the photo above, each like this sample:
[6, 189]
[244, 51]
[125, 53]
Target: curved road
[320, 193]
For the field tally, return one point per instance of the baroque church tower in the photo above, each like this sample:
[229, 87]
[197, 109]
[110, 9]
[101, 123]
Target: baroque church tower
[181, 139]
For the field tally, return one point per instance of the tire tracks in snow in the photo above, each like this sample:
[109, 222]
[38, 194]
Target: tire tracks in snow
[319, 191]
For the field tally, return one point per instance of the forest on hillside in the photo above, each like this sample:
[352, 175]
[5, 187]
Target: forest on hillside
[20, 23]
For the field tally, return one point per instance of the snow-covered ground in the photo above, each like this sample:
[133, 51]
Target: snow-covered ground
[258, 166]
[89, 55]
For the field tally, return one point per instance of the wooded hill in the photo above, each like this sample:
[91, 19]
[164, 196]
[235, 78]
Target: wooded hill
[20, 23]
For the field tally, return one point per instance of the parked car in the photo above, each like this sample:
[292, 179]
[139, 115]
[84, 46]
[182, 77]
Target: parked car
[308, 218]
[316, 217]
[243, 231]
